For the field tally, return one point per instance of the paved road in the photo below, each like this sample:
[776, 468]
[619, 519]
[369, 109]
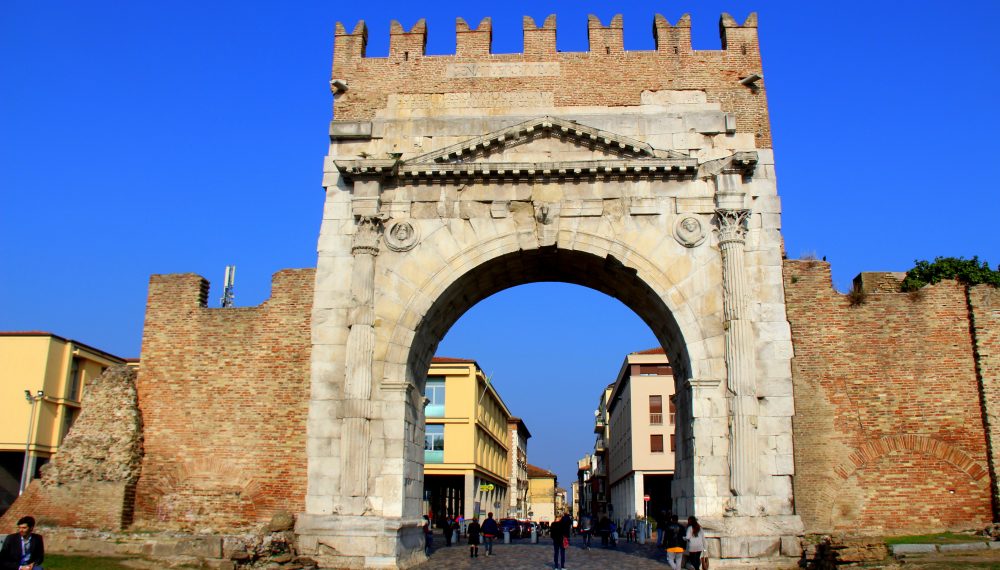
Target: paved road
[522, 555]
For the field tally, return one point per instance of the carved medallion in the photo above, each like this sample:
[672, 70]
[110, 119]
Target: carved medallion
[401, 236]
[689, 231]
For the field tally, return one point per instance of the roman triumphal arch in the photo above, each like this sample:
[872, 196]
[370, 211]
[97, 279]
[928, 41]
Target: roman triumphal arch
[645, 175]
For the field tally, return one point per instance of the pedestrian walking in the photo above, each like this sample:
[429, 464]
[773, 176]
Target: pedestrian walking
[428, 535]
[695, 538]
[473, 532]
[585, 529]
[661, 524]
[490, 530]
[455, 530]
[446, 531]
[23, 550]
[560, 531]
[673, 539]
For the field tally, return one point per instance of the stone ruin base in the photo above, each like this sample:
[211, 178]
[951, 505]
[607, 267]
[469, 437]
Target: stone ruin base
[344, 541]
[272, 545]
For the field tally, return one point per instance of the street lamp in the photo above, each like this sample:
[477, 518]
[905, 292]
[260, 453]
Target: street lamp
[25, 475]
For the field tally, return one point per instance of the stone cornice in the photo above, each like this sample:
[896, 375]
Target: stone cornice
[673, 168]
[542, 127]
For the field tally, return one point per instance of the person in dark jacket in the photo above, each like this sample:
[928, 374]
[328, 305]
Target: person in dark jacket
[491, 530]
[473, 533]
[560, 531]
[23, 550]
[673, 540]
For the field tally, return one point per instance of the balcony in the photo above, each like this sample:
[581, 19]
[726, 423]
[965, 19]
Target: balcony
[583, 464]
[600, 446]
[599, 425]
[655, 419]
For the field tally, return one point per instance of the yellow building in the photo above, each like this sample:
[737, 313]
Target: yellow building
[542, 485]
[42, 376]
[465, 442]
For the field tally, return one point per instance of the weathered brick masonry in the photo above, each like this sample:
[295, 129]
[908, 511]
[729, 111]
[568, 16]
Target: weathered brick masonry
[888, 425]
[91, 481]
[223, 394]
[604, 75]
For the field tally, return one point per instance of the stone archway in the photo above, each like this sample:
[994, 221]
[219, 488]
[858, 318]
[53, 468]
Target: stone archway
[411, 242]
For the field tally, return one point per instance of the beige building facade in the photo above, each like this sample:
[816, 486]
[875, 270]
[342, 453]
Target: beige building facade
[517, 464]
[466, 442]
[42, 376]
[642, 420]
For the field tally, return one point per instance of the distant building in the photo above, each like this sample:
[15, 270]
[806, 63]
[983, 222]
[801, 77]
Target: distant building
[542, 485]
[57, 367]
[466, 442]
[561, 502]
[599, 483]
[584, 495]
[574, 489]
[641, 424]
[517, 467]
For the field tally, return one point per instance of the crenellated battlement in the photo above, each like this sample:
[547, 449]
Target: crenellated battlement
[538, 40]
[542, 78]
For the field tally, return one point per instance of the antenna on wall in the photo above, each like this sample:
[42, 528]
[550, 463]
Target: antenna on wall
[227, 291]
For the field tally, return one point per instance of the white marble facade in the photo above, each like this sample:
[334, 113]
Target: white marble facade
[662, 205]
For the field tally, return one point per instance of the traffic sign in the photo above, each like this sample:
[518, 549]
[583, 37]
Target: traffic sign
[645, 498]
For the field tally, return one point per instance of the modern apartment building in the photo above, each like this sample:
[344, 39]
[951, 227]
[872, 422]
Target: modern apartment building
[641, 416]
[42, 377]
[517, 467]
[466, 442]
[599, 482]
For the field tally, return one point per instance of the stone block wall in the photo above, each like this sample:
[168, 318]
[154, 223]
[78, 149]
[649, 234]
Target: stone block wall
[541, 76]
[889, 433]
[224, 395]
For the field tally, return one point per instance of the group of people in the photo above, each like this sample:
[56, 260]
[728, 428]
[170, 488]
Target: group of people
[679, 540]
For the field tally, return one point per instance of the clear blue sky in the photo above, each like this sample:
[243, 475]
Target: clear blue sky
[141, 137]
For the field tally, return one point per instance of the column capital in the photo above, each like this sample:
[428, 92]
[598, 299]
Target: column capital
[731, 224]
[368, 233]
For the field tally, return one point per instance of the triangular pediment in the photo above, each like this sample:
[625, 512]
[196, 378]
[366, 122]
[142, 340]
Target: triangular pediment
[544, 139]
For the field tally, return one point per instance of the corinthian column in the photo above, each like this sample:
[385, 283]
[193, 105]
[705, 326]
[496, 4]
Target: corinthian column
[741, 382]
[356, 408]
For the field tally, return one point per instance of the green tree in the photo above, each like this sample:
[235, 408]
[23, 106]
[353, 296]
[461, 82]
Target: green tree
[967, 271]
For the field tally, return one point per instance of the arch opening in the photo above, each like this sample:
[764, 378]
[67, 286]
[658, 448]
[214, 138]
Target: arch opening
[603, 274]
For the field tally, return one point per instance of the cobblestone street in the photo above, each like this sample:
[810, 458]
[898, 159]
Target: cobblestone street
[521, 554]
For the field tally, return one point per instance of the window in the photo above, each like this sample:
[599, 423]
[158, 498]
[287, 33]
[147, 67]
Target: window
[656, 410]
[673, 410]
[673, 442]
[656, 443]
[73, 387]
[434, 443]
[69, 418]
[434, 392]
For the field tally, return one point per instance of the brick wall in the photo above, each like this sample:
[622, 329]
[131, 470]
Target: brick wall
[604, 75]
[90, 482]
[224, 395]
[888, 428]
[984, 302]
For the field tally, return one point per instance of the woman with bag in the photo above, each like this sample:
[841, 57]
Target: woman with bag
[559, 531]
[695, 538]
[473, 532]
